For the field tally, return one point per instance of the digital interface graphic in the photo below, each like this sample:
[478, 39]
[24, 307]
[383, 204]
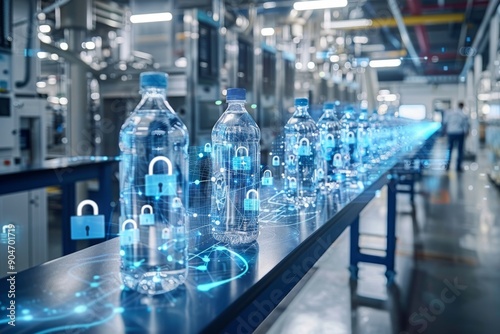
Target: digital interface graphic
[84, 291]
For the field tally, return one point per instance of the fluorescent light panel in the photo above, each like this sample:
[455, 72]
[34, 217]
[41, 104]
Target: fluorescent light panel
[320, 4]
[346, 24]
[385, 63]
[267, 31]
[152, 17]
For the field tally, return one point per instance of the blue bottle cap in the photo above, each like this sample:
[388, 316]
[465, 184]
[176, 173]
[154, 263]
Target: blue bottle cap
[329, 105]
[154, 79]
[301, 102]
[236, 94]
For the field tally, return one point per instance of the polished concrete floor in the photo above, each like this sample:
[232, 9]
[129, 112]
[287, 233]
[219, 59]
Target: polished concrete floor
[448, 265]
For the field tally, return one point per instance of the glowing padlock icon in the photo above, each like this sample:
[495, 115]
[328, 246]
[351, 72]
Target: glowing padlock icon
[329, 141]
[319, 174]
[251, 204]
[337, 160]
[242, 162]
[304, 148]
[147, 218]
[351, 138]
[292, 183]
[166, 233]
[267, 178]
[160, 184]
[87, 227]
[276, 161]
[208, 148]
[129, 236]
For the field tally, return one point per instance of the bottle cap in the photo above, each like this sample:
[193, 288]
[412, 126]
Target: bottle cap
[301, 102]
[154, 79]
[329, 105]
[236, 94]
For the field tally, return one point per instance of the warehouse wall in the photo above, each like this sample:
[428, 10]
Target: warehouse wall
[425, 93]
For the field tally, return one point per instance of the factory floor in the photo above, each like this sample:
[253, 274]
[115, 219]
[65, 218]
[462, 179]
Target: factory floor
[447, 263]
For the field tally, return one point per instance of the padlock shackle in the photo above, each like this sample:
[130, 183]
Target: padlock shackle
[350, 134]
[330, 136]
[160, 158]
[239, 148]
[146, 206]
[290, 178]
[276, 158]
[270, 174]
[252, 191]
[208, 145]
[129, 221]
[304, 140]
[337, 156]
[90, 202]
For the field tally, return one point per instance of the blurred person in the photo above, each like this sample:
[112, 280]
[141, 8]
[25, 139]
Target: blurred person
[456, 127]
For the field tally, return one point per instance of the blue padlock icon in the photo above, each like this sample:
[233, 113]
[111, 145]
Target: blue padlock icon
[242, 162]
[87, 227]
[337, 160]
[129, 236]
[276, 161]
[292, 183]
[251, 204]
[166, 233]
[147, 218]
[208, 148]
[319, 174]
[160, 184]
[329, 141]
[267, 178]
[351, 138]
[304, 148]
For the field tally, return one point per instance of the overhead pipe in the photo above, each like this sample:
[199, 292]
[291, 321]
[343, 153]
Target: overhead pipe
[411, 21]
[420, 30]
[404, 33]
[492, 8]
[463, 28]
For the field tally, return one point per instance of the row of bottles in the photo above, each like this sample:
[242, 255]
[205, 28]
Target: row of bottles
[329, 156]
[154, 186]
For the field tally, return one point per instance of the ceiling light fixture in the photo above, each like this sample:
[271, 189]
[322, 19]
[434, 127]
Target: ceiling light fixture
[385, 63]
[320, 4]
[152, 17]
[360, 39]
[347, 24]
[267, 31]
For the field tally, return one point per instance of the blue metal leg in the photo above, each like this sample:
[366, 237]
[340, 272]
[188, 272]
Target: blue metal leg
[355, 253]
[391, 231]
[105, 198]
[68, 210]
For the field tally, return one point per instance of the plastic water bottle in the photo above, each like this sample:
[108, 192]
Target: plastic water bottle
[153, 192]
[330, 146]
[301, 150]
[364, 135]
[235, 173]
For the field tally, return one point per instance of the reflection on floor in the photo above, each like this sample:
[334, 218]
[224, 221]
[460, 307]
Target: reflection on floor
[448, 266]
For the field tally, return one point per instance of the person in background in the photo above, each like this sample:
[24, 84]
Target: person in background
[456, 126]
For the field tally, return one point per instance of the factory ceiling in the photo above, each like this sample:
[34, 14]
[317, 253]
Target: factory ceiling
[433, 38]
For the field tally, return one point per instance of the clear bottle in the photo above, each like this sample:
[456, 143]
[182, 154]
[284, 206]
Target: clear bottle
[235, 173]
[153, 192]
[330, 146]
[364, 138]
[301, 155]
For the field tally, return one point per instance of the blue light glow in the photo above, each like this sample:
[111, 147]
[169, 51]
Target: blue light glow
[200, 155]
[80, 309]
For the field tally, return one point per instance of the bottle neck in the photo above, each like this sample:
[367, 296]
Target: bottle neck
[154, 92]
[301, 111]
[236, 106]
[329, 113]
